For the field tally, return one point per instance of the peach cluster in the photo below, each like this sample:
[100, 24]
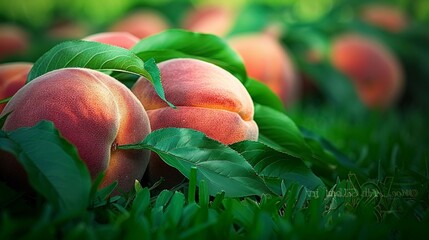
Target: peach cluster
[96, 113]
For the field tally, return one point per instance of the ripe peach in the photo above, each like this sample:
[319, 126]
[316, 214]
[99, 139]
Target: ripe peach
[374, 70]
[94, 112]
[384, 16]
[208, 99]
[13, 40]
[12, 78]
[268, 61]
[141, 24]
[120, 39]
[215, 20]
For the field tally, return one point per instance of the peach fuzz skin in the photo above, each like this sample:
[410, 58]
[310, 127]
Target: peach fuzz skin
[374, 70]
[119, 39]
[267, 60]
[141, 24]
[12, 77]
[91, 110]
[208, 99]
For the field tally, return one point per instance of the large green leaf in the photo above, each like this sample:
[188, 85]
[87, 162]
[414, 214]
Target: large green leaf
[274, 166]
[277, 130]
[98, 56]
[220, 166]
[52, 164]
[262, 94]
[177, 43]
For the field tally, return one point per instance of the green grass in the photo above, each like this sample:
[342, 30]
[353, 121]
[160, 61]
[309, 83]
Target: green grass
[381, 143]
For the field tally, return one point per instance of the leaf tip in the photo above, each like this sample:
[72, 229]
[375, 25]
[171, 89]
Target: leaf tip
[170, 104]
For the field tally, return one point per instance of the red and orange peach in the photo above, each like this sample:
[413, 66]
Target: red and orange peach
[120, 39]
[208, 99]
[384, 16]
[373, 68]
[268, 61]
[12, 77]
[94, 112]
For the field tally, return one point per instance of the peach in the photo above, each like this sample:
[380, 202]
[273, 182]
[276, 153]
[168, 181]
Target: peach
[208, 99]
[211, 19]
[13, 41]
[141, 24]
[12, 78]
[268, 61]
[384, 16]
[373, 68]
[67, 29]
[93, 111]
[119, 39]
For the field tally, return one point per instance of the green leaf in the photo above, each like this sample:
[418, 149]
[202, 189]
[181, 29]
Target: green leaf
[262, 94]
[177, 43]
[97, 56]
[275, 166]
[278, 131]
[155, 74]
[52, 164]
[220, 166]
